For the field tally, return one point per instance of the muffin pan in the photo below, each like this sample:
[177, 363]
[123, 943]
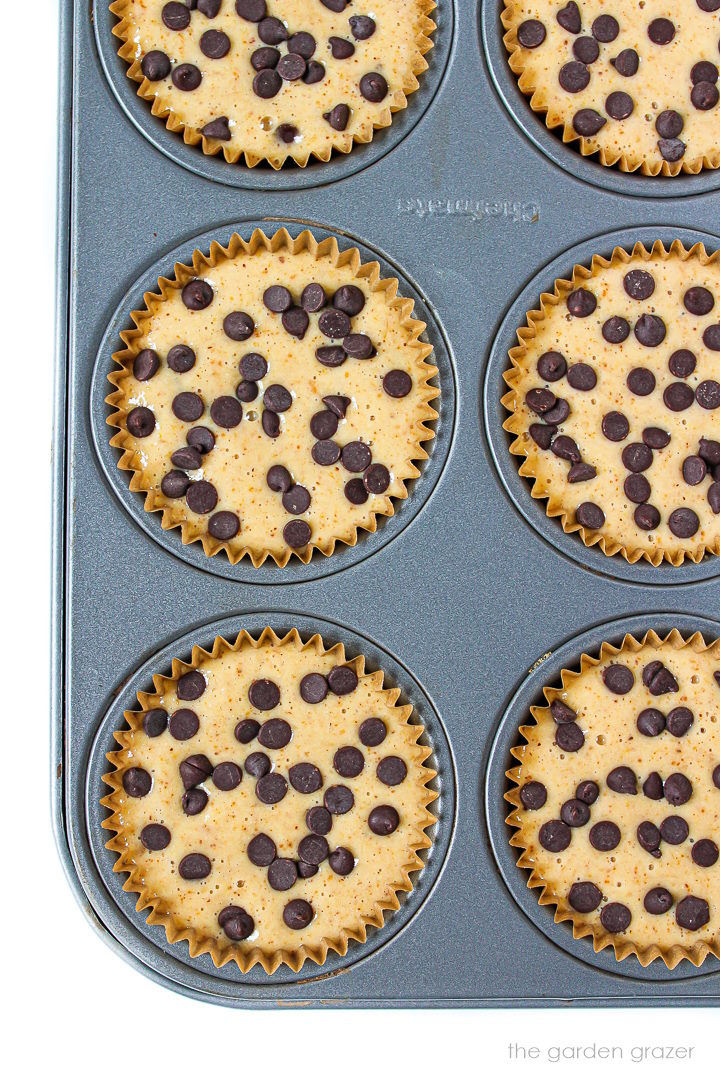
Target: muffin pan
[457, 597]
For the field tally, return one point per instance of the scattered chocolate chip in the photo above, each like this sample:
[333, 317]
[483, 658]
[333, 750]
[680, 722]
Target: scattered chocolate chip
[194, 770]
[348, 761]
[363, 27]
[569, 737]
[551, 366]
[155, 837]
[653, 787]
[619, 105]
[616, 330]
[246, 730]
[376, 479]
[615, 426]
[713, 495]
[626, 63]
[282, 874]
[391, 771]
[587, 791]
[533, 795]
[277, 398]
[678, 396]
[227, 775]
[176, 16]
[296, 534]
[705, 853]
[554, 835]
[637, 488]
[581, 377]
[605, 836]
[573, 77]
[650, 722]
[236, 923]
[264, 694]
[586, 50]
[191, 686]
[201, 439]
[342, 861]
[372, 732]
[331, 355]
[359, 346]
[183, 724]
[711, 337]
[615, 918]
[258, 764]
[271, 789]
[145, 364]
[566, 448]
[704, 71]
[637, 457]
[298, 914]
[215, 44]
[699, 300]
[605, 28]
[340, 48]
[155, 65]
[295, 322]
[261, 850]
[649, 837]
[682, 363]
[313, 688]
[356, 456]
[274, 734]
[140, 422]
[194, 801]
[707, 394]
[373, 87]
[584, 897]
[263, 59]
[683, 522]
[291, 66]
[658, 900]
[194, 867]
[692, 912]
[187, 457]
[342, 680]
[323, 424]
[304, 44]
[201, 497]
[246, 391]
[278, 478]
[709, 450]
[315, 73]
[660, 681]
[661, 31]
[622, 779]
[383, 820]
[313, 849]
[318, 820]
[650, 330]
[252, 10]
[674, 830]
[296, 499]
[672, 149]
[641, 381]
[305, 778]
[277, 299]
[704, 96]
[356, 492]
[679, 721]
[349, 299]
[587, 122]
[590, 516]
[569, 18]
[137, 782]
[188, 407]
[272, 31]
[542, 435]
[338, 799]
[155, 723]
[678, 789]
[669, 124]
[575, 813]
[694, 470]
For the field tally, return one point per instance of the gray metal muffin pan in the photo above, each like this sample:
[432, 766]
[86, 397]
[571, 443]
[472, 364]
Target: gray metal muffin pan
[476, 207]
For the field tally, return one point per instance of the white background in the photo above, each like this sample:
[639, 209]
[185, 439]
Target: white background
[74, 1007]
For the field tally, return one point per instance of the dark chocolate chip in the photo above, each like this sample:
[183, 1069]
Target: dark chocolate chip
[261, 850]
[618, 678]
[257, 764]
[313, 849]
[672, 149]
[682, 363]
[227, 775]
[236, 923]
[194, 867]
[626, 63]
[616, 330]
[348, 761]
[615, 918]
[313, 688]
[658, 900]
[566, 448]
[304, 44]
[704, 96]
[551, 366]
[140, 422]
[692, 912]
[376, 479]
[711, 337]
[605, 836]
[605, 28]
[296, 534]
[372, 732]
[653, 787]
[246, 391]
[350, 299]
[155, 723]
[391, 771]
[324, 424]
[331, 355]
[587, 791]
[575, 813]
[713, 495]
[359, 346]
[661, 31]
[704, 71]
[581, 303]
[271, 789]
[334, 324]
[315, 73]
[581, 472]
[278, 478]
[187, 457]
[197, 295]
[176, 16]
[155, 65]
[533, 795]
[573, 77]
[313, 297]
[554, 835]
[637, 488]
[194, 801]
[637, 457]
[622, 779]
[707, 394]
[699, 300]
[191, 686]
[363, 27]
[569, 18]
[586, 50]
[274, 734]
[678, 789]
[215, 44]
[264, 694]
[155, 837]
[295, 322]
[296, 499]
[650, 331]
[325, 452]
[674, 830]
[705, 853]
[145, 364]
[188, 407]
[342, 861]
[282, 874]
[678, 396]
[683, 522]
[356, 456]
[298, 914]
[183, 724]
[337, 403]
[137, 782]
[246, 730]
[649, 837]
[679, 721]
[558, 414]
[694, 470]
[272, 31]
[338, 799]
[318, 820]
[587, 122]
[263, 59]
[252, 10]
[615, 426]
[383, 820]
[650, 722]
[342, 680]
[201, 497]
[669, 124]
[619, 105]
[194, 770]
[569, 737]
[305, 778]
[340, 48]
[542, 435]
[584, 897]
[639, 284]
[581, 377]
[540, 400]
[373, 87]
[655, 438]
[590, 516]
[277, 398]
[641, 381]
[356, 492]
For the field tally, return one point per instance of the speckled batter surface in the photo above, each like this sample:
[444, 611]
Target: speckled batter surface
[636, 460]
[259, 104]
[637, 82]
[646, 734]
[374, 436]
[342, 898]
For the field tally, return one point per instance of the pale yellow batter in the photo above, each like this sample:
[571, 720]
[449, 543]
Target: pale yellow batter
[393, 428]
[627, 872]
[662, 79]
[581, 340]
[342, 905]
[394, 50]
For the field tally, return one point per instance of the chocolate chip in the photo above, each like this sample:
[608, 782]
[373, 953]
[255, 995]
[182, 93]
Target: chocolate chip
[350, 299]
[566, 448]
[575, 813]
[341, 49]
[573, 77]
[363, 27]
[267, 83]
[605, 28]
[282, 874]
[278, 478]
[261, 850]
[694, 470]
[704, 96]
[215, 44]
[356, 492]
[678, 396]
[201, 497]
[184, 724]
[298, 913]
[348, 761]
[637, 488]
[650, 331]
[335, 324]
[551, 366]
[342, 861]
[650, 722]
[679, 721]
[683, 522]
[236, 923]
[581, 472]
[264, 58]
[313, 849]
[155, 723]
[649, 837]
[137, 782]
[590, 516]
[698, 300]
[376, 479]
[622, 779]
[246, 730]
[661, 31]
[274, 734]
[315, 73]
[584, 897]
[569, 18]
[618, 678]
[587, 791]
[331, 355]
[359, 346]
[707, 394]
[615, 918]
[705, 853]
[660, 681]
[252, 10]
[616, 330]
[296, 321]
[305, 778]
[201, 439]
[540, 400]
[271, 789]
[313, 688]
[187, 457]
[581, 303]
[304, 45]
[542, 435]
[337, 404]
[342, 680]
[145, 364]
[671, 149]
[554, 835]
[194, 770]
[619, 105]
[533, 795]
[227, 775]
[682, 363]
[639, 284]
[176, 16]
[708, 5]
[338, 799]
[655, 438]
[569, 737]
[530, 33]
[277, 398]
[586, 50]
[356, 456]
[653, 787]
[194, 867]
[391, 771]
[383, 820]
[704, 71]
[325, 452]
[558, 414]
[323, 424]
[711, 338]
[140, 422]
[246, 391]
[587, 122]
[194, 801]
[678, 789]
[605, 836]
[709, 450]
[258, 764]
[155, 837]
[669, 124]
[615, 426]
[318, 820]
[373, 87]
[296, 534]
[188, 407]
[191, 686]
[626, 63]
[296, 499]
[658, 900]
[641, 381]
[581, 377]
[272, 31]
[637, 457]
[713, 495]
[674, 830]
[372, 732]
[155, 65]
[692, 912]
[264, 694]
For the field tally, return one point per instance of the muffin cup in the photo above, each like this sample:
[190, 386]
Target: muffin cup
[539, 103]
[280, 241]
[516, 426]
[160, 910]
[343, 141]
[563, 912]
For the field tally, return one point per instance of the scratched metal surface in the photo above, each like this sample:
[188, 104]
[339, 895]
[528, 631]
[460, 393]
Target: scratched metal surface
[470, 202]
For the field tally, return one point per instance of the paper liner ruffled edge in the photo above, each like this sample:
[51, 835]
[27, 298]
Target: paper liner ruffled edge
[343, 141]
[563, 912]
[539, 103]
[155, 501]
[516, 425]
[161, 913]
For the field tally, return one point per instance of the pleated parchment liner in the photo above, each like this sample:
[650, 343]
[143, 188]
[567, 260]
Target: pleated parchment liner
[422, 413]
[555, 118]
[523, 446]
[696, 945]
[412, 797]
[166, 101]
